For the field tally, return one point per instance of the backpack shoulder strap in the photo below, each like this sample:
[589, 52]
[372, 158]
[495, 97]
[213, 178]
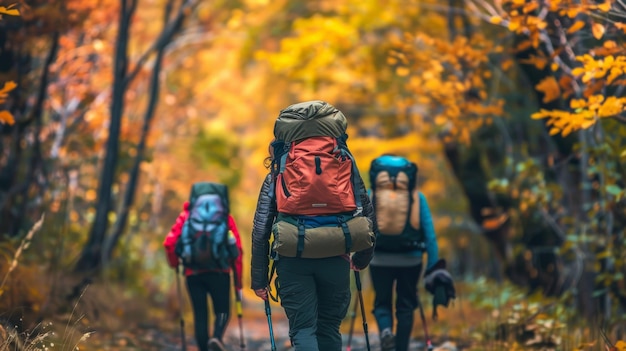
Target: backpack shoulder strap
[357, 182]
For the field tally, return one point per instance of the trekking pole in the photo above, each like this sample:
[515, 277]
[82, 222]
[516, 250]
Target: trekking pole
[429, 345]
[356, 302]
[357, 278]
[180, 305]
[238, 298]
[268, 313]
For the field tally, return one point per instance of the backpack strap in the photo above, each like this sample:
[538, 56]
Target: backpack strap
[301, 233]
[355, 178]
[279, 159]
[346, 233]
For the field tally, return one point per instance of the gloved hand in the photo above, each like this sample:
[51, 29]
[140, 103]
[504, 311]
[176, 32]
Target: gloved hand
[440, 284]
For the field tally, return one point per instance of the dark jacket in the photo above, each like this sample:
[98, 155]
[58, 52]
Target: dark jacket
[262, 228]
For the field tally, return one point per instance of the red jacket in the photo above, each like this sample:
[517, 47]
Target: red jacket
[177, 229]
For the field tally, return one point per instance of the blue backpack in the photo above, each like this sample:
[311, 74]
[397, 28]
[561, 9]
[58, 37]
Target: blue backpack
[204, 242]
[396, 203]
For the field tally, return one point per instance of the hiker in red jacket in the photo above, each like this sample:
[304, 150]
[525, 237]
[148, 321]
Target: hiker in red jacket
[200, 282]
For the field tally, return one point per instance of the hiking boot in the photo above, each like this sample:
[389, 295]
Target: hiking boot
[387, 340]
[216, 345]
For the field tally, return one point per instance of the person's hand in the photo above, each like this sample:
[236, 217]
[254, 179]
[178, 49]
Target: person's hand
[262, 293]
[353, 267]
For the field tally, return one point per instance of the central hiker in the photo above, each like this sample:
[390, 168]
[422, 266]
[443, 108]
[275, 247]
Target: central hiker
[205, 239]
[405, 232]
[315, 203]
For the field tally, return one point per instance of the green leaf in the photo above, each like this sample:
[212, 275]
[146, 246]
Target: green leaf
[614, 189]
[598, 293]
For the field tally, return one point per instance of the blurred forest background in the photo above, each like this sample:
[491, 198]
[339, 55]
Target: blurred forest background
[514, 111]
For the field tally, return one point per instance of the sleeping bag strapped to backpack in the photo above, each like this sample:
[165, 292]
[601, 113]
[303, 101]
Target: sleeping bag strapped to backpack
[316, 185]
[204, 242]
[396, 203]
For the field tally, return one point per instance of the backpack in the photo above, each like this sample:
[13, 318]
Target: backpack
[316, 185]
[205, 241]
[396, 201]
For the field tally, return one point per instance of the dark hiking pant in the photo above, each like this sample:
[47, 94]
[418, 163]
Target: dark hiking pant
[315, 293]
[217, 285]
[406, 279]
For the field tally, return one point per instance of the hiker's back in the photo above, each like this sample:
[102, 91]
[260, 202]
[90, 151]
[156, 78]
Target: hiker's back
[316, 185]
[396, 201]
[205, 242]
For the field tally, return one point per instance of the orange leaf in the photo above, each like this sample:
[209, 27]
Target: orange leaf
[609, 44]
[531, 6]
[576, 26]
[8, 86]
[550, 89]
[6, 117]
[598, 30]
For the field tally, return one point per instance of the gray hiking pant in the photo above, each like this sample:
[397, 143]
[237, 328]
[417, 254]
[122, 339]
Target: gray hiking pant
[315, 294]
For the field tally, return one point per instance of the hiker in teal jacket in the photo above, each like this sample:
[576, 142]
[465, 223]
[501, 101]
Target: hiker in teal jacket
[400, 263]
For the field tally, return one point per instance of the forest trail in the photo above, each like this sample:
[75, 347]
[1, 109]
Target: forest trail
[256, 334]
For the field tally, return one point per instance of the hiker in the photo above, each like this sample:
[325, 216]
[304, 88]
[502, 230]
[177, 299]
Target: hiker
[315, 203]
[405, 232]
[210, 276]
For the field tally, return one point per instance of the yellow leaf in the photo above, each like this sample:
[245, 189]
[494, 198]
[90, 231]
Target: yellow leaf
[554, 131]
[6, 117]
[402, 71]
[573, 12]
[610, 44]
[587, 124]
[620, 345]
[495, 20]
[539, 115]
[554, 66]
[605, 7]
[550, 89]
[576, 26]
[567, 130]
[615, 73]
[9, 11]
[597, 30]
[577, 103]
[514, 25]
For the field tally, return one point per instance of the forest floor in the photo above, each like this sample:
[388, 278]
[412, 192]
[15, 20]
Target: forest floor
[256, 335]
[132, 331]
[107, 318]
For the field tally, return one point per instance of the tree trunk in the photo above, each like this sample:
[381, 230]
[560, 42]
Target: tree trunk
[91, 257]
[170, 28]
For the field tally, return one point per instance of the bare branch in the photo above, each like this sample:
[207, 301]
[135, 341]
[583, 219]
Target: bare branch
[163, 39]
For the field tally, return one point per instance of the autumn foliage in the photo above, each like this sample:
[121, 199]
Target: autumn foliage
[514, 111]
